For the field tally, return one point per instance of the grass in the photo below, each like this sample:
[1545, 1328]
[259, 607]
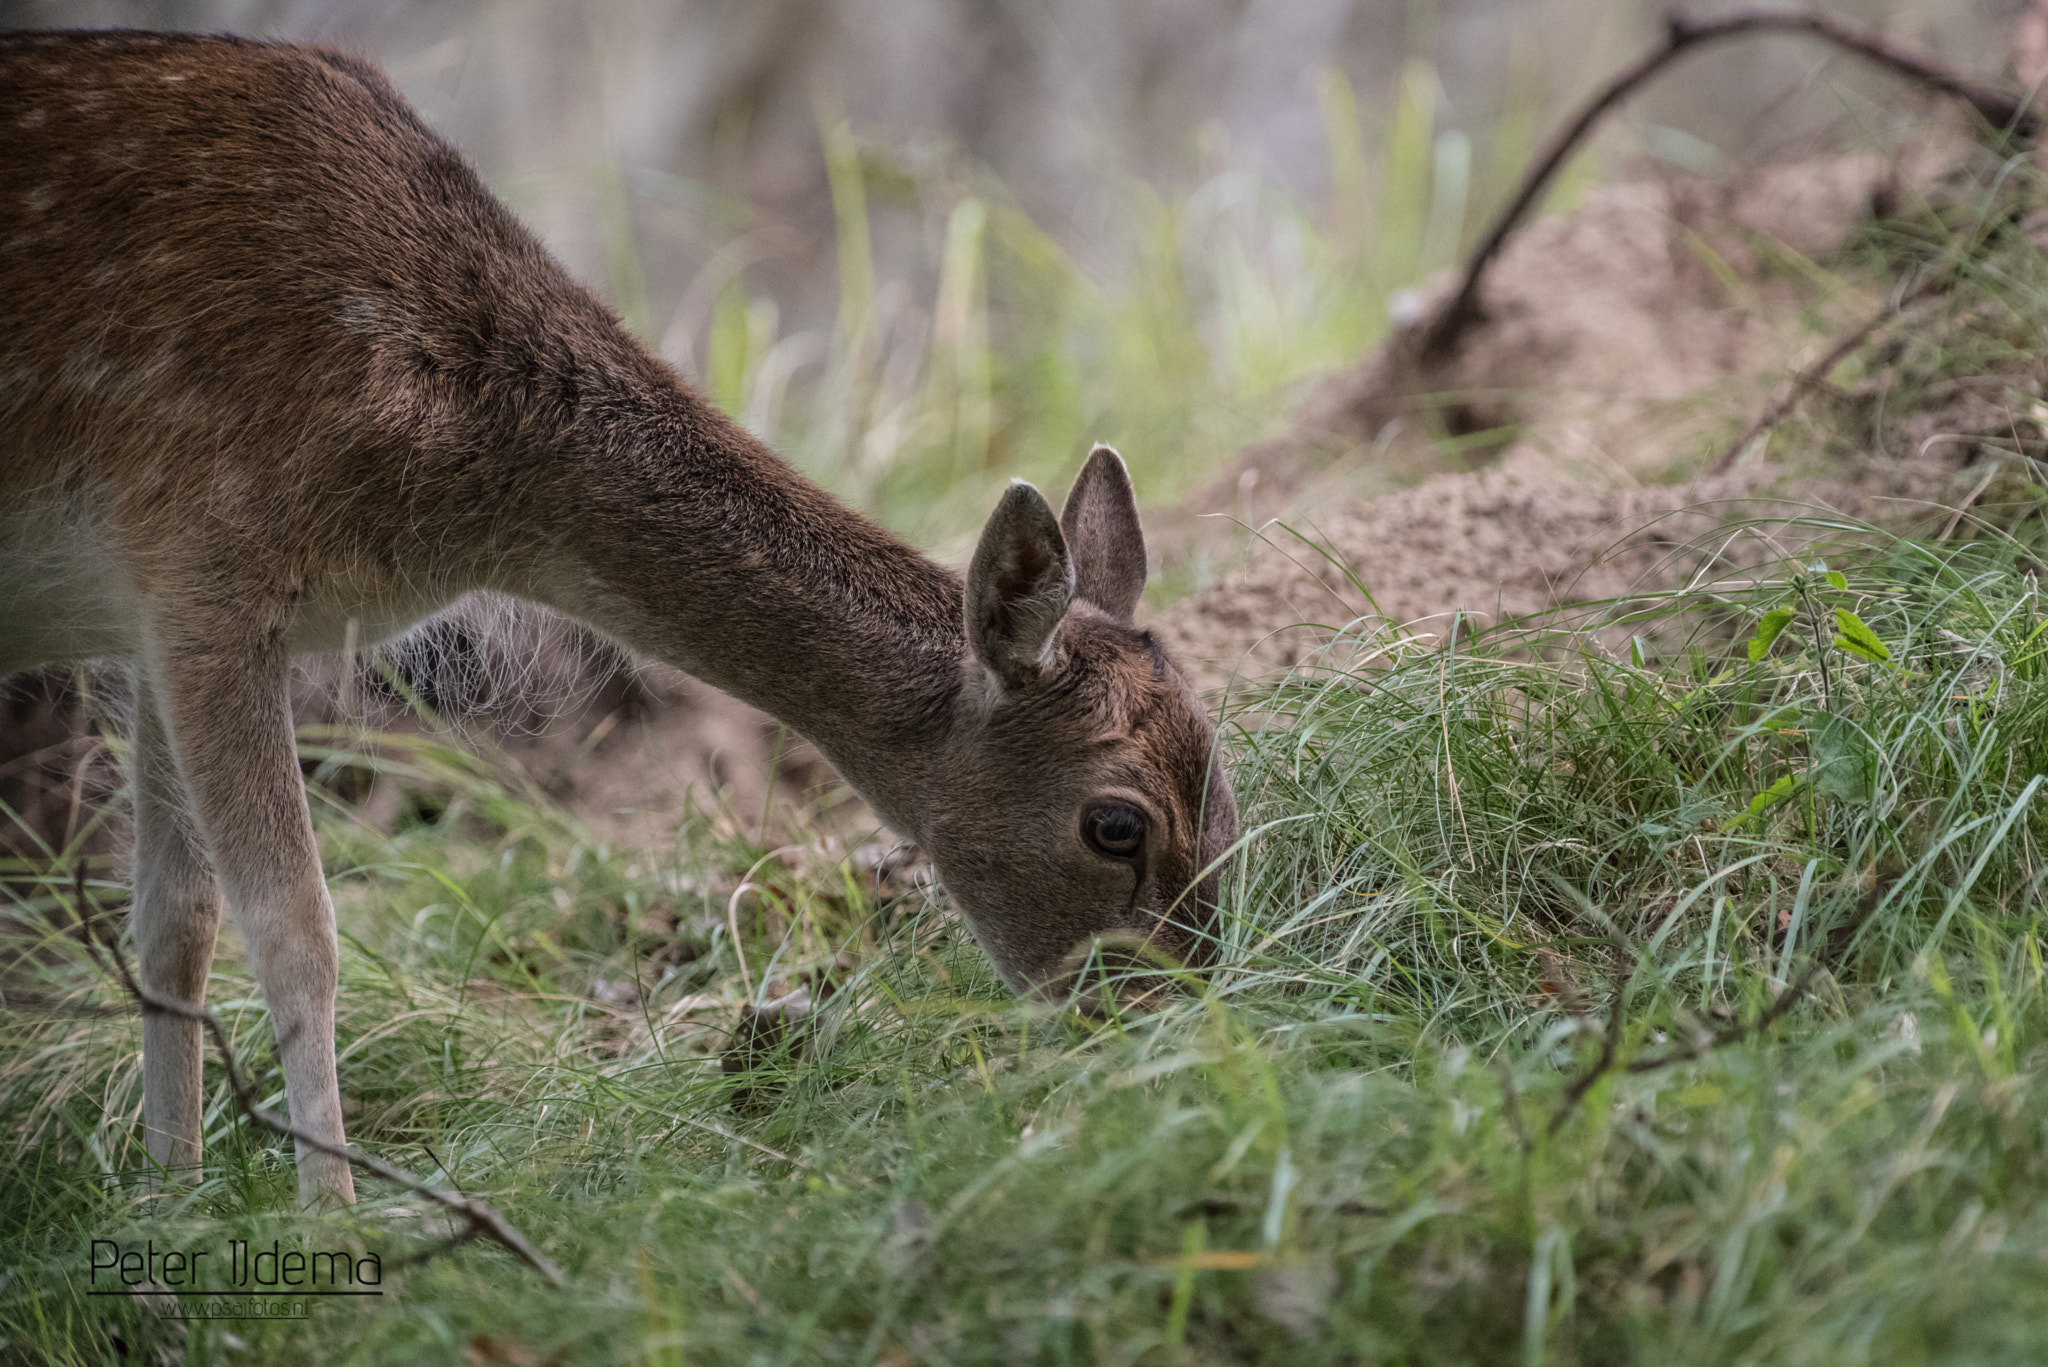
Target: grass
[1659, 983]
[1377, 1132]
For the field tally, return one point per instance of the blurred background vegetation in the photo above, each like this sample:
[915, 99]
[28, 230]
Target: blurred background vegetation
[924, 245]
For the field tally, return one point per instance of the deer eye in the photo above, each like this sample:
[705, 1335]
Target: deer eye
[1118, 832]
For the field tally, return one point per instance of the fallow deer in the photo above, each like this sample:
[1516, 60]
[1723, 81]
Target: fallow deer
[277, 369]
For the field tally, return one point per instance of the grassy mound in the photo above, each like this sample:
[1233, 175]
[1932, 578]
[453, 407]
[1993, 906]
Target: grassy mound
[1575, 1003]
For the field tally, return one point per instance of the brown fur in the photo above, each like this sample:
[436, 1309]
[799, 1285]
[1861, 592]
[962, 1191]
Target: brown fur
[274, 365]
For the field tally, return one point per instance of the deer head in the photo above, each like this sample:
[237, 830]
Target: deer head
[1071, 703]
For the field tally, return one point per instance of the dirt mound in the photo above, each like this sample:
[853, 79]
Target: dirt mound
[1621, 339]
[1625, 340]
[1517, 539]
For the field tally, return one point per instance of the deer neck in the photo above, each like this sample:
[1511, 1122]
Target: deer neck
[693, 543]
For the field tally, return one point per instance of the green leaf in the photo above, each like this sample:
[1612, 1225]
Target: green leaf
[1770, 797]
[1858, 639]
[1767, 629]
[1836, 579]
[1844, 760]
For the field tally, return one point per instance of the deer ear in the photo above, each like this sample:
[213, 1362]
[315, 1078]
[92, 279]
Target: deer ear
[1103, 535]
[1018, 587]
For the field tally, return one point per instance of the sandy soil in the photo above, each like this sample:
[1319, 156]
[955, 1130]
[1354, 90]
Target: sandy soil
[1627, 341]
[1516, 539]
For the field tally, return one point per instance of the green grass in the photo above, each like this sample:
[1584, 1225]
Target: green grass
[1364, 1137]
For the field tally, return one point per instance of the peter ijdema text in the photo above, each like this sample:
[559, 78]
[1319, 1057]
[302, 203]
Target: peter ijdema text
[244, 1279]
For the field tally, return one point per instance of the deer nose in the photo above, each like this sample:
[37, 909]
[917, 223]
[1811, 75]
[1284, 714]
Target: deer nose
[1120, 971]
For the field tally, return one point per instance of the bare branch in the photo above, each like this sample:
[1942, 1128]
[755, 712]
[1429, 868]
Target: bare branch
[1610, 1049]
[1730, 1034]
[481, 1221]
[1806, 380]
[2000, 108]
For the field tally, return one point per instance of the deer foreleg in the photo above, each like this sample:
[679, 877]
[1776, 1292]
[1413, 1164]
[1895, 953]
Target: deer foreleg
[176, 915]
[222, 694]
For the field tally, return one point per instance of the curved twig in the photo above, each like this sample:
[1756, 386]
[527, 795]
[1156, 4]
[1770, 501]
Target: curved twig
[1804, 382]
[1610, 1060]
[480, 1220]
[1734, 1033]
[1938, 278]
[1997, 107]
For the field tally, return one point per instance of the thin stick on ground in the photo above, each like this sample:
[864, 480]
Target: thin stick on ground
[1810, 378]
[1963, 508]
[480, 1220]
[1733, 1033]
[2000, 108]
[1610, 1046]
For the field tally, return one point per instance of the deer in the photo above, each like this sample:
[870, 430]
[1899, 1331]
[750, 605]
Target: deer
[277, 371]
